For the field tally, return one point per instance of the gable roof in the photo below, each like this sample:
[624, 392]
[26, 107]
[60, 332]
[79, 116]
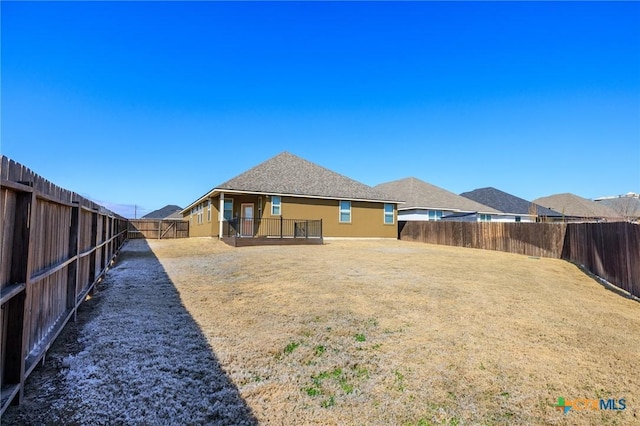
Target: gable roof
[162, 213]
[288, 174]
[506, 202]
[572, 205]
[422, 195]
[626, 206]
[175, 215]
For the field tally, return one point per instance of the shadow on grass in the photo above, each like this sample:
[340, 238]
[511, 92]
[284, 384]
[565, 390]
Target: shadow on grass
[135, 355]
[606, 284]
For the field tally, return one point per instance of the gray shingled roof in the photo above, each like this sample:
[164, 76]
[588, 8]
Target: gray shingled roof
[506, 202]
[288, 174]
[575, 206]
[162, 213]
[627, 207]
[175, 215]
[420, 194]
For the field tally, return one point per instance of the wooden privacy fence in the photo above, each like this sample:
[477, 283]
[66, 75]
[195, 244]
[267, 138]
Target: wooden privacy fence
[608, 250]
[55, 246]
[531, 239]
[158, 228]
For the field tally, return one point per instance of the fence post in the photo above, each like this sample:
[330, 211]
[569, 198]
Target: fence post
[72, 273]
[94, 241]
[18, 312]
[105, 236]
[235, 241]
[280, 226]
[306, 229]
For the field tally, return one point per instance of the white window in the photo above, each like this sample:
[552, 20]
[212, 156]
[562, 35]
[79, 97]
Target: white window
[345, 211]
[200, 213]
[276, 206]
[228, 209]
[388, 213]
[435, 214]
[209, 211]
[485, 218]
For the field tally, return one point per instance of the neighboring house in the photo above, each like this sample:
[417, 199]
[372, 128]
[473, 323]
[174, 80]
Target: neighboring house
[170, 211]
[423, 201]
[514, 209]
[289, 187]
[627, 206]
[574, 208]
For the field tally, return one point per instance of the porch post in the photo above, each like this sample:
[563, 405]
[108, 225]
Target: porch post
[221, 215]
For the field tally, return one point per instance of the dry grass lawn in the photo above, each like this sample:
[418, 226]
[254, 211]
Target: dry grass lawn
[392, 332]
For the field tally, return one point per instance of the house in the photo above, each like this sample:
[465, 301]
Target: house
[514, 209]
[627, 206]
[574, 208]
[423, 201]
[288, 189]
[170, 211]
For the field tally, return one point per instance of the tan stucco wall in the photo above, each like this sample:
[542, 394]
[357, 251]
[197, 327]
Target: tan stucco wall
[367, 218]
[206, 228]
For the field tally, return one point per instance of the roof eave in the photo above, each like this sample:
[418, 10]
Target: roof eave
[214, 191]
[456, 210]
[322, 197]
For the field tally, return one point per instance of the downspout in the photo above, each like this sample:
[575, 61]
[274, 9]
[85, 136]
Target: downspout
[221, 215]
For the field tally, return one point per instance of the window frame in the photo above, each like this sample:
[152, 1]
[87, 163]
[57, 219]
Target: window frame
[224, 209]
[341, 211]
[387, 214]
[437, 215]
[274, 205]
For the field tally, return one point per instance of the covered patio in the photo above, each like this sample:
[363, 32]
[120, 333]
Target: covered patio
[251, 231]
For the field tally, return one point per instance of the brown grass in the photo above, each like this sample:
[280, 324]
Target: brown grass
[391, 332]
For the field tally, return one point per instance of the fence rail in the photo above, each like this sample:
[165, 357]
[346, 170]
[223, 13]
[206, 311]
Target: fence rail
[608, 250]
[272, 228]
[157, 228]
[55, 246]
[242, 231]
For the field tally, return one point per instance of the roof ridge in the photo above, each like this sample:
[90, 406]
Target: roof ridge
[301, 177]
[420, 194]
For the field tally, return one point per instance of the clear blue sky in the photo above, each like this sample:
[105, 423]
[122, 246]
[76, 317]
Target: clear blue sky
[151, 104]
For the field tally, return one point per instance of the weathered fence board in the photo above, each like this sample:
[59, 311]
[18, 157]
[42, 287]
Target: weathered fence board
[608, 250]
[158, 228]
[531, 239]
[55, 247]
